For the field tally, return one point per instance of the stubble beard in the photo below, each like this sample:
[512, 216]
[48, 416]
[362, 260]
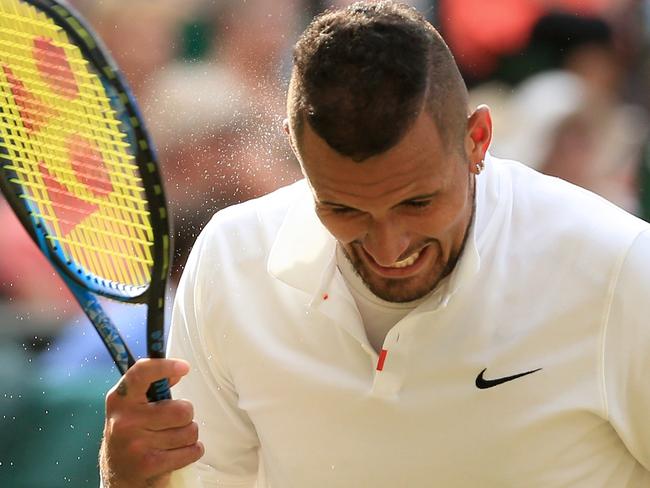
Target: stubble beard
[401, 290]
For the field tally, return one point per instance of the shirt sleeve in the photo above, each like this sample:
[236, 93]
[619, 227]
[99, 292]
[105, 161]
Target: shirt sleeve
[230, 439]
[626, 357]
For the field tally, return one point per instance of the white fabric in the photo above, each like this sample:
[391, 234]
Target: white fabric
[552, 277]
[378, 316]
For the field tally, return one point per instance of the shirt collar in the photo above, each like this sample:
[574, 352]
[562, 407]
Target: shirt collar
[303, 252]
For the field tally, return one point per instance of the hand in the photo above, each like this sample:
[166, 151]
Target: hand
[144, 442]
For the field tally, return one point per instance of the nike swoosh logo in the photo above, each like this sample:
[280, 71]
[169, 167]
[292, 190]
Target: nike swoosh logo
[482, 383]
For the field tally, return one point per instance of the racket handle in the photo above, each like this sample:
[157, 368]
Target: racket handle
[159, 390]
[109, 334]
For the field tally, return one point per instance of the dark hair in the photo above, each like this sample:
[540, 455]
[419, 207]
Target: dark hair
[363, 74]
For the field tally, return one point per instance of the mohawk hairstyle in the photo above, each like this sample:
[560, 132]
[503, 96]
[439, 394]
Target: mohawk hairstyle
[363, 74]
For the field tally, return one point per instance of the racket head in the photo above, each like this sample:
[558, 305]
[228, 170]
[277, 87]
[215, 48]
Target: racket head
[76, 163]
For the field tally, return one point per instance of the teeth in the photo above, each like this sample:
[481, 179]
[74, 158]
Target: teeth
[407, 262]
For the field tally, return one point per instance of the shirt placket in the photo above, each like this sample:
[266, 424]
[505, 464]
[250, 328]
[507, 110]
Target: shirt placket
[389, 366]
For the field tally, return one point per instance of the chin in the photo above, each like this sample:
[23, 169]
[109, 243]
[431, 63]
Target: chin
[401, 291]
[397, 290]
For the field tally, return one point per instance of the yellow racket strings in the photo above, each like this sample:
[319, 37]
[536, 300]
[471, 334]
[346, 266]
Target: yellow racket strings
[67, 150]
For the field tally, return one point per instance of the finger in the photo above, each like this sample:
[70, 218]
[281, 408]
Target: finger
[136, 381]
[176, 438]
[173, 380]
[167, 414]
[160, 462]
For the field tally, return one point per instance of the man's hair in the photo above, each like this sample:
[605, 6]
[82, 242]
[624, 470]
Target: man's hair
[363, 74]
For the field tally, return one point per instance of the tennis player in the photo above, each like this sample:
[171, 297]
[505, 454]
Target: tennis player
[414, 313]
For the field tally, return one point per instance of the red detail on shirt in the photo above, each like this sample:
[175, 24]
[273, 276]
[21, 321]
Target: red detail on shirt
[53, 65]
[68, 208]
[325, 296]
[382, 358]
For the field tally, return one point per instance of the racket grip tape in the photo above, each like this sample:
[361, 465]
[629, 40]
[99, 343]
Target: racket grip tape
[159, 390]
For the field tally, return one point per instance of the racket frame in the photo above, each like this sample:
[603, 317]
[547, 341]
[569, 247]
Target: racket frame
[81, 282]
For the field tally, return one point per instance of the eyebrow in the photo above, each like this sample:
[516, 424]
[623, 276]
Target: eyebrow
[410, 199]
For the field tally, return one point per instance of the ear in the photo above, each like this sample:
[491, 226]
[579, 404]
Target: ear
[287, 130]
[479, 135]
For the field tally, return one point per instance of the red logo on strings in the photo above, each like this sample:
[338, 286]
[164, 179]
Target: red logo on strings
[31, 110]
[85, 159]
[54, 67]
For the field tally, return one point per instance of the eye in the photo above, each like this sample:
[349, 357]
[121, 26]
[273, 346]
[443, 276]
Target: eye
[327, 208]
[342, 210]
[417, 203]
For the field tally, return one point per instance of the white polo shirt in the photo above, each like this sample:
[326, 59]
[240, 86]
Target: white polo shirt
[554, 282]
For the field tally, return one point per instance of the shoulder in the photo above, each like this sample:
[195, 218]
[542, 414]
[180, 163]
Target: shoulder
[248, 230]
[553, 232]
[562, 210]
[234, 248]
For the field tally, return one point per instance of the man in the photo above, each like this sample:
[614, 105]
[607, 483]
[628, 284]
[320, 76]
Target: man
[414, 313]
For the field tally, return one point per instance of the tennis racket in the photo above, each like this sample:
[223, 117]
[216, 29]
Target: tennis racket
[79, 170]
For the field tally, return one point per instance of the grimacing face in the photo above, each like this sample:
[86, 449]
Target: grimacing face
[401, 216]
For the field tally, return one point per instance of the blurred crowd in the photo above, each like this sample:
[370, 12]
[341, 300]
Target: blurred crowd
[567, 80]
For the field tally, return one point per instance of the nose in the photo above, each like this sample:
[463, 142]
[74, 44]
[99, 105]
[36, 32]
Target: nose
[386, 241]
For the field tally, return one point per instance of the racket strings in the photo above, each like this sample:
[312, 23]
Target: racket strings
[63, 140]
[34, 113]
[86, 227]
[19, 52]
[81, 187]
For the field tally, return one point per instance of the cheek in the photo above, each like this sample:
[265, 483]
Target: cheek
[434, 224]
[444, 221]
[344, 229]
